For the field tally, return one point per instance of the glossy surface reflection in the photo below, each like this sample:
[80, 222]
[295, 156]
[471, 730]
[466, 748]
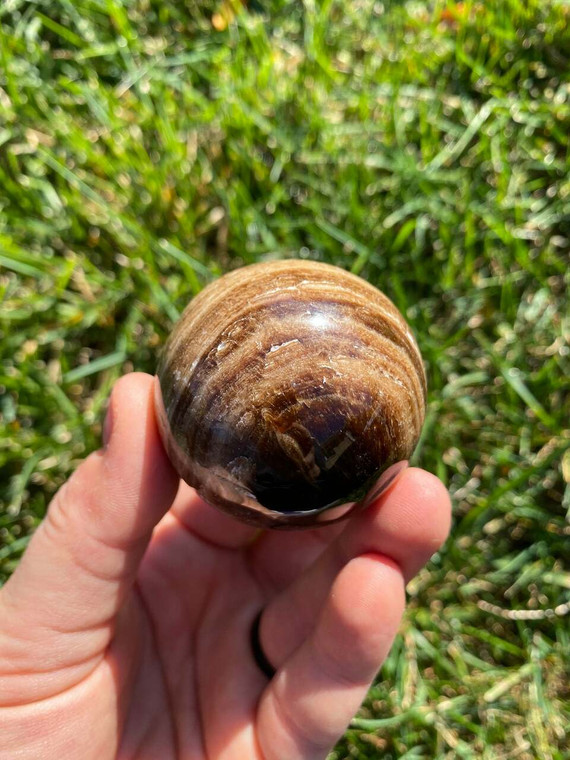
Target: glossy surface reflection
[286, 389]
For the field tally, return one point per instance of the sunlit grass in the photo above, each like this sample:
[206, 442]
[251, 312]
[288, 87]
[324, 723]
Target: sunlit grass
[145, 147]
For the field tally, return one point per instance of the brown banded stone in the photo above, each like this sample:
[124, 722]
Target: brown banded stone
[286, 389]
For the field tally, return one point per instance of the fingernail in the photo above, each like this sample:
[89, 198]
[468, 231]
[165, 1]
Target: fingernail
[108, 426]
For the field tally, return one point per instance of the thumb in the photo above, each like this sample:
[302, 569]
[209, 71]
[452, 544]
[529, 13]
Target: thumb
[61, 603]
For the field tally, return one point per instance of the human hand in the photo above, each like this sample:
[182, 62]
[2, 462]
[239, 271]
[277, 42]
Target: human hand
[125, 630]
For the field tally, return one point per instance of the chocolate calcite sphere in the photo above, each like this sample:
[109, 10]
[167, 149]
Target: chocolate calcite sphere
[286, 389]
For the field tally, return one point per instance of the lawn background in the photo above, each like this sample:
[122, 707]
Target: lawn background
[147, 146]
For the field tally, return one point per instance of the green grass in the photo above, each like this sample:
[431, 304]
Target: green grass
[421, 145]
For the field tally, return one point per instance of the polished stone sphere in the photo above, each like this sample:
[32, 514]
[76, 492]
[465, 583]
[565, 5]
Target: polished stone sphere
[286, 390]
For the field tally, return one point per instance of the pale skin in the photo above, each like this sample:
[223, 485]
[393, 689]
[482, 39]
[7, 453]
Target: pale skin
[124, 631]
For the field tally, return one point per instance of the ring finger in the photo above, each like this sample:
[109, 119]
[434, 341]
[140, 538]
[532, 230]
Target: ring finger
[407, 525]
